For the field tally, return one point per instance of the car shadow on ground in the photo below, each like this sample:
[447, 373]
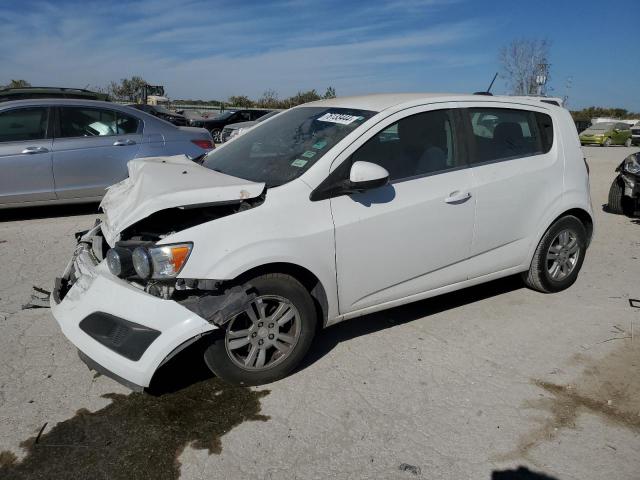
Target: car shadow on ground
[47, 211]
[327, 339]
[188, 367]
[521, 473]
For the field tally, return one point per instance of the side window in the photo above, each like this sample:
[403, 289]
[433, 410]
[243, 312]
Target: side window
[417, 145]
[504, 133]
[244, 116]
[87, 122]
[545, 127]
[23, 124]
[126, 124]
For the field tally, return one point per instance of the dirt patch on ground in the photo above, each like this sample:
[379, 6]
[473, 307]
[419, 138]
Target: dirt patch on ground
[136, 436]
[609, 388]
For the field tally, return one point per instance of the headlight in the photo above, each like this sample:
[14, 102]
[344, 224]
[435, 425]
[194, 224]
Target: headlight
[234, 133]
[631, 164]
[120, 262]
[142, 262]
[160, 262]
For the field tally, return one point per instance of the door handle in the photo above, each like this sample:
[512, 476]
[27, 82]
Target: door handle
[123, 143]
[31, 150]
[457, 197]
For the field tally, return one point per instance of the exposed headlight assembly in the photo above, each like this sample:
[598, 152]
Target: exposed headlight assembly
[631, 164]
[159, 262]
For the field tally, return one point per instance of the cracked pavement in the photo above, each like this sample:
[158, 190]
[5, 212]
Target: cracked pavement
[447, 385]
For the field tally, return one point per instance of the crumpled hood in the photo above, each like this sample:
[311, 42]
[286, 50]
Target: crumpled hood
[158, 183]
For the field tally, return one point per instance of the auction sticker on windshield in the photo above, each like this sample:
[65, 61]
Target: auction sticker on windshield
[299, 163]
[339, 118]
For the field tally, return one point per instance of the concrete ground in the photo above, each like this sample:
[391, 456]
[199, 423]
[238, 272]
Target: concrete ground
[473, 384]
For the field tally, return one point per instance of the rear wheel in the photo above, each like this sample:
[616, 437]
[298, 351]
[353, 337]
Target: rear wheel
[616, 197]
[269, 338]
[558, 257]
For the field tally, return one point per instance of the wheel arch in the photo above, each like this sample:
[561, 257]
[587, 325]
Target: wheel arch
[581, 215]
[305, 276]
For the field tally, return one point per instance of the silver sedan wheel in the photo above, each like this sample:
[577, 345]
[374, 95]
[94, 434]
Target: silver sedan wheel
[264, 334]
[563, 255]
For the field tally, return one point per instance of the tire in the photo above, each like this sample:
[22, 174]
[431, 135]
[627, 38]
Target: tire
[540, 275]
[616, 196]
[627, 142]
[229, 362]
[607, 142]
[215, 133]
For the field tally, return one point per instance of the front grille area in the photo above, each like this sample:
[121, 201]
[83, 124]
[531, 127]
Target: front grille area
[126, 338]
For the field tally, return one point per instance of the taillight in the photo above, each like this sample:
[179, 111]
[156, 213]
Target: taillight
[203, 144]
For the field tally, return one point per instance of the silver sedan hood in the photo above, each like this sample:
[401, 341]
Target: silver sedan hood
[158, 183]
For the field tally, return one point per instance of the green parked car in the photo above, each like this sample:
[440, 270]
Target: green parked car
[607, 133]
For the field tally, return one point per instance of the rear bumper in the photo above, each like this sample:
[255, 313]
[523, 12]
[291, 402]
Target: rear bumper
[88, 297]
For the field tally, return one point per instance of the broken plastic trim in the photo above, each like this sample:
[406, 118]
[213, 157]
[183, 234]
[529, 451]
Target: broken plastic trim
[218, 309]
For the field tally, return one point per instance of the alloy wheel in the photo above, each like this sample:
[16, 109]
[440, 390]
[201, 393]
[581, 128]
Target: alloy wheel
[264, 334]
[563, 255]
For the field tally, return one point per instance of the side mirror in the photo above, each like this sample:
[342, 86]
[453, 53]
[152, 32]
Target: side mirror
[366, 175]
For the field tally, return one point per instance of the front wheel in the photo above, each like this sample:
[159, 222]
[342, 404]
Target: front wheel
[266, 341]
[616, 198]
[216, 133]
[607, 142]
[558, 257]
[627, 142]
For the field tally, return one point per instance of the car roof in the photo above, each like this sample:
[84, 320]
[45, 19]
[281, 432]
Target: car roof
[382, 101]
[62, 101]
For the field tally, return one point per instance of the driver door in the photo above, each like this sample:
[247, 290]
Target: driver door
[414, 234]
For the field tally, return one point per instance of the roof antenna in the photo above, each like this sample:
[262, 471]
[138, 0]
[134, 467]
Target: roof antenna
[491, 84]
[488, 91]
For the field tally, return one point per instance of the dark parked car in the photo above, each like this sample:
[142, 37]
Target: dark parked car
[635, 134]
[163, 113]
[216, 124]
[28, 93]
[624, 194]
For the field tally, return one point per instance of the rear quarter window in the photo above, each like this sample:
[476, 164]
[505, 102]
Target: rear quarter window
[505, 133]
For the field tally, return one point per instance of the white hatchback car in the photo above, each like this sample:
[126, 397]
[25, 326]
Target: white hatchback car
[326, 212]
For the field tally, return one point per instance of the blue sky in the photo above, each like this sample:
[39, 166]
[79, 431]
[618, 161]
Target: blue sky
[214, 49]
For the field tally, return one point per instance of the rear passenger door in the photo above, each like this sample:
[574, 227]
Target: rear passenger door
[517, 171]
[91, 149]
[25, 155]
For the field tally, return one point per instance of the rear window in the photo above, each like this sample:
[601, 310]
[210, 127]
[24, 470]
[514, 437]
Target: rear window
[504, 133]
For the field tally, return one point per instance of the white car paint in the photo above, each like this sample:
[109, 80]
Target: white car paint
[407, 241]
[158, 183]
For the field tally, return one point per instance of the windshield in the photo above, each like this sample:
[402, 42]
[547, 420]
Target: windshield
[285, 147]
[223, 116]
[267, 116]
[601, 126]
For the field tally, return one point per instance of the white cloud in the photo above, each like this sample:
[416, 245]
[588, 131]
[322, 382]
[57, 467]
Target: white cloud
[202, 51]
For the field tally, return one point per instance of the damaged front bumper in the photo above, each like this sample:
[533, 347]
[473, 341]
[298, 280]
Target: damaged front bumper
[119, 329]
[631, 184]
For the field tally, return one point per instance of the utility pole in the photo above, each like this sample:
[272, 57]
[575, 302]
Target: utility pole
[541, 77]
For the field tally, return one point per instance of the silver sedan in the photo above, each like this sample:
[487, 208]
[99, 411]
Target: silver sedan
[69, 151]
